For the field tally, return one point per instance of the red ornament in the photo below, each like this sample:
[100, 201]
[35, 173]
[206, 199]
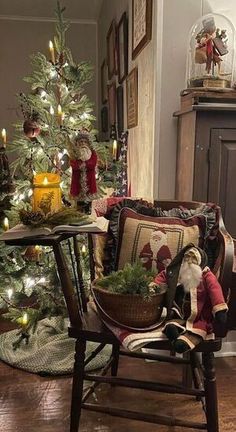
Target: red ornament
[31, 128]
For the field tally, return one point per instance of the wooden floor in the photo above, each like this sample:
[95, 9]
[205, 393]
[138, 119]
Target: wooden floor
[30, 403]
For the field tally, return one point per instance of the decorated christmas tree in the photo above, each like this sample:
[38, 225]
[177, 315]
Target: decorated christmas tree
[59, 169]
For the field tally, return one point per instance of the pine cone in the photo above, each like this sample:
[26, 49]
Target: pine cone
[31, 218]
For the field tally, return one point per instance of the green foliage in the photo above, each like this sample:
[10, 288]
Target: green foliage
[133, 279]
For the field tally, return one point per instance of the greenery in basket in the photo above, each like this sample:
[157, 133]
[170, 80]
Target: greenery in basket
[132, 279]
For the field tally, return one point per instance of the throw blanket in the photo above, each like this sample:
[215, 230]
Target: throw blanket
[50, 350]
[136, 341]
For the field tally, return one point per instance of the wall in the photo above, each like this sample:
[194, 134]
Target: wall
[21, 37]
[141, 138]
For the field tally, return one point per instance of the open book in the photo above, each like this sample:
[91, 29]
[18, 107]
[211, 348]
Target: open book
[100, 225]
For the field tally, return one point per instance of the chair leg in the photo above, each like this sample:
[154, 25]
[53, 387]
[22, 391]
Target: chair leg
[187, 373]
[210, 392]
[196, 376]
[77, 386]
[115, 362]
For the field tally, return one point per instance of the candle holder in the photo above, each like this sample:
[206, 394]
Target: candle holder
[47, 193]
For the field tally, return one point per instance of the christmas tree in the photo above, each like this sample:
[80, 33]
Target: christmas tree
[56, 139]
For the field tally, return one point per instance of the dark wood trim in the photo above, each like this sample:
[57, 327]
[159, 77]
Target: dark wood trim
[122, 26]
[111, 62]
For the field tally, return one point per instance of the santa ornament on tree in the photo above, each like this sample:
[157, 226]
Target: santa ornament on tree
[83, 162]
[194, 299]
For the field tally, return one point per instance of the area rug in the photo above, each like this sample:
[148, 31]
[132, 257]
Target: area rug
[49, 351]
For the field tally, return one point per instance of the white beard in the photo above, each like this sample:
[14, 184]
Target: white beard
[190, 276]
[84, 153]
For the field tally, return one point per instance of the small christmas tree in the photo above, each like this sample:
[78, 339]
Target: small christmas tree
[57, 114]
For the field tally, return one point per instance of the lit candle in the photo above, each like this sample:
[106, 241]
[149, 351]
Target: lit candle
[114, 149]
[60, 114]
[51, 49]
[6, 225]
[4, 137]
[46, 192]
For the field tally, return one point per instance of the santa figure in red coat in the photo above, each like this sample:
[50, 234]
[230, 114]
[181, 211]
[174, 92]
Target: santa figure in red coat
[83, 162]
[194, 299]
[156, 254]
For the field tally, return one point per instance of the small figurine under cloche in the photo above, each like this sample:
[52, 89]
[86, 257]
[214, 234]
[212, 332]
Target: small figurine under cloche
[211, 53]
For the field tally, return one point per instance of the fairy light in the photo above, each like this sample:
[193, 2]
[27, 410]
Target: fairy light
[83, 250]
[29, 282]
[51, 110]
[30, 193]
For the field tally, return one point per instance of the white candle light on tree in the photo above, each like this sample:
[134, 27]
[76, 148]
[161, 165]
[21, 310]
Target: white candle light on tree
[51, 49]
[24, 320]
[6, 225]
[4, 137]
[10, 293]
[51, 110]
[59, 114]
[114, 150]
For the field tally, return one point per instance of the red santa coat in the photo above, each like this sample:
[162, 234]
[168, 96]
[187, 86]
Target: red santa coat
[205, 301]
[77, 167]
[147, 257]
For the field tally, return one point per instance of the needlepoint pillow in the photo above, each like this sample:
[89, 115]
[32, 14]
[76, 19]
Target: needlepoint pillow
[155, 240]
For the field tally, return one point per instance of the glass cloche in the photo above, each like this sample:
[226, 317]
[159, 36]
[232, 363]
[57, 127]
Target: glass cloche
[211, 52]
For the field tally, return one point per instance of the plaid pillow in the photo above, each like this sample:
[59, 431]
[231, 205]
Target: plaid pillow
[155, 240]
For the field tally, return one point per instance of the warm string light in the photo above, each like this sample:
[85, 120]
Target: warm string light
[4, 137]
[51, 110]
[52, 53]
[83, 249]
[9, 293]
[45, 181]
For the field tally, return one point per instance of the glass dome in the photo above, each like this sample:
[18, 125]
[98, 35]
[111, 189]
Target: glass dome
[210, 60]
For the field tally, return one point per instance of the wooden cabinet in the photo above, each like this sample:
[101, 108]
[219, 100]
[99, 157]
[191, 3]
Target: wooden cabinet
[206, 152]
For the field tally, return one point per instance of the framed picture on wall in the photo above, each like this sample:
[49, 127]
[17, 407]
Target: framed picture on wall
[104, 81]
[120, 110]
[122, 48]
[111, 89]
[132, 98]
[141, 25]
[111, 50]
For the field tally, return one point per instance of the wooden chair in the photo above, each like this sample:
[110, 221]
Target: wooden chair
[92, 329]
[85, 326]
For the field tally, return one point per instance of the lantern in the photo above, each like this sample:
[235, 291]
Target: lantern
[46, 193]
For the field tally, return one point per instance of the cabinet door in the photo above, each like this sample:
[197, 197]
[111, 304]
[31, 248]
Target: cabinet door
[222, 174]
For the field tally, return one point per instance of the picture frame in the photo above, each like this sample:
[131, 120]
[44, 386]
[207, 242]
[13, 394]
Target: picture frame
[120, 110]
[141, 25]
[132, 98]
[104, 81]
[111, 50]
[111, 89]
[122, 48]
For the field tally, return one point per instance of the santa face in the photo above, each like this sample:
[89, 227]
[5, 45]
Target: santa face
[83, 151]
[157, 240]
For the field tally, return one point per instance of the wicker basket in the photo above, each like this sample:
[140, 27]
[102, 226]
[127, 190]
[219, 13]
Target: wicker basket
[130, 309]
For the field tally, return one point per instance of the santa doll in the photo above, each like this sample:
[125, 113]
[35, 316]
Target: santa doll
[194, 299]
[156, 254]
[83, 162]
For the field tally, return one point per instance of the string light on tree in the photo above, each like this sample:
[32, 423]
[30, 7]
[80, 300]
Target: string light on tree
[51, 110]
[59, 114]
[9, 293]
